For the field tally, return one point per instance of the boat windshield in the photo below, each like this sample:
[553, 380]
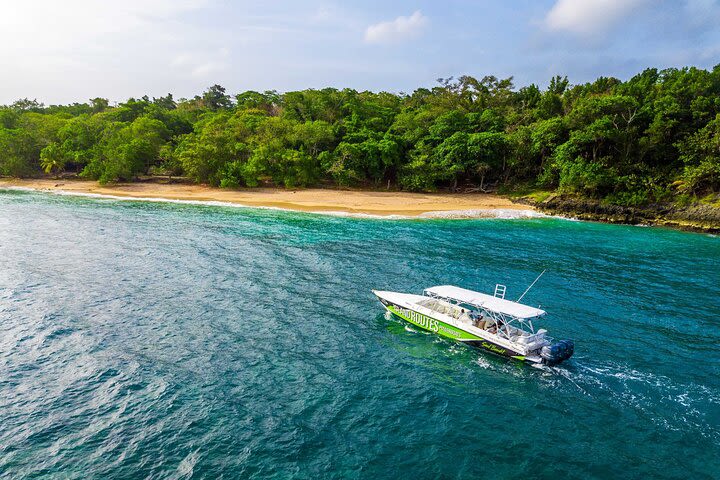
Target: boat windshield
[515, 329]
[454, 311]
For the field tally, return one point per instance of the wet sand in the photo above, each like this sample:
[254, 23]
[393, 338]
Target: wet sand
[307, 200]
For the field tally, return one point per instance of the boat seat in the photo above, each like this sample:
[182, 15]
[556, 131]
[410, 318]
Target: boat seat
[535, 345]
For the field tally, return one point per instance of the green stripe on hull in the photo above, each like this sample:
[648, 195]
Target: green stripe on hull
[446, 330]
[431, 324]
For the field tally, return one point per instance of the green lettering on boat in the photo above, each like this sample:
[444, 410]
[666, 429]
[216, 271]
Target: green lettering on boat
[431, 324]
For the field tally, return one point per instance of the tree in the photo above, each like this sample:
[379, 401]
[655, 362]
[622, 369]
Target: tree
[701, 155]
[99, 104]
[126, 150]
[216, 99]
[52, 158]
[166, 103]
[26, 105]
[623, 142]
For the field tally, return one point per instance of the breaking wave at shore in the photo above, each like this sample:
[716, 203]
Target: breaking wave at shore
[501, 213]
[497, 213]
[129, 198]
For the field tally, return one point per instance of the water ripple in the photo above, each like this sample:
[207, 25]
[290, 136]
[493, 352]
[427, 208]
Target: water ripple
[160, 340]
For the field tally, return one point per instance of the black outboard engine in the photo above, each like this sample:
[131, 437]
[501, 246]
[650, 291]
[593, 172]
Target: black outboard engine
[557, 352]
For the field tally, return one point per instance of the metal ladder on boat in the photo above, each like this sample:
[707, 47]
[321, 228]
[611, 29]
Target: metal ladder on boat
[500, 291]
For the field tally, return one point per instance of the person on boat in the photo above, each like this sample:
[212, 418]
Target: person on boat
[491, 326]
[501, 327]
[465, 316]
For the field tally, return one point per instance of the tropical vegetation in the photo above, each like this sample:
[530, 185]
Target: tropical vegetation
[654, 137]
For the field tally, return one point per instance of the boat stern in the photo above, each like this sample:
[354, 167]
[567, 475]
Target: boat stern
[557, 352]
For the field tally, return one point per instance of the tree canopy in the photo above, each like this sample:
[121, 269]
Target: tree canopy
[646, 139]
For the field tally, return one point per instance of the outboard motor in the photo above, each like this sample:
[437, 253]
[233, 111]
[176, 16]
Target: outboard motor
[557, 352]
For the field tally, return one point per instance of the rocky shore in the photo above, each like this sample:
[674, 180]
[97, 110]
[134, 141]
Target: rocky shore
[697, 217]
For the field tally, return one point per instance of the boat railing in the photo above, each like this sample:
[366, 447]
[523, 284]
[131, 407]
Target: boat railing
[509, 327]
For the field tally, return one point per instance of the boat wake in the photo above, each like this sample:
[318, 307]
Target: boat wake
[669, 404]
[666, 403]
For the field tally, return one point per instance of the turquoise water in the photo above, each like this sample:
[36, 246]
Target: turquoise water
[158, 340]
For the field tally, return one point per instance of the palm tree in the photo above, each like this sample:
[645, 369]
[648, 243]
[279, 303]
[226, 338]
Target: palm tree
[482, 170]
[51, 158]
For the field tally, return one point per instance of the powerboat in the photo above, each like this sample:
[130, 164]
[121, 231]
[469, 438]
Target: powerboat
[489, 322]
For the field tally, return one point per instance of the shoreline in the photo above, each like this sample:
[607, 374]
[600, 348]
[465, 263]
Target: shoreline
[696, 217]
[323, 201]
[380, 204]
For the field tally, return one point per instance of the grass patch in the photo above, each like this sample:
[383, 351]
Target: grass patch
[712, 199]
[527, 190]
[539, 196]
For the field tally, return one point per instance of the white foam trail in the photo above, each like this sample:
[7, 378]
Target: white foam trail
[670, 404]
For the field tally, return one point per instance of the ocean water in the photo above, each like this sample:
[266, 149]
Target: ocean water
[152, 340]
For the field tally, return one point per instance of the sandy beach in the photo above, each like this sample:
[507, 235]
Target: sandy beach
[307, 200]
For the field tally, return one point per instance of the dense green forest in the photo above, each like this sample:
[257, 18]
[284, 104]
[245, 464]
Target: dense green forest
[655, 137]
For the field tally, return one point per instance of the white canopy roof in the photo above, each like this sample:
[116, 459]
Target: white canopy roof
[488, 302]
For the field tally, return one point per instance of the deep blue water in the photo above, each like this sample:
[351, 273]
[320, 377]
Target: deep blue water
[153, 340]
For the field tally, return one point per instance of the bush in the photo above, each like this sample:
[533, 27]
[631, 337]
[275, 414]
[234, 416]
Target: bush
[704, 177]
[590, 178]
